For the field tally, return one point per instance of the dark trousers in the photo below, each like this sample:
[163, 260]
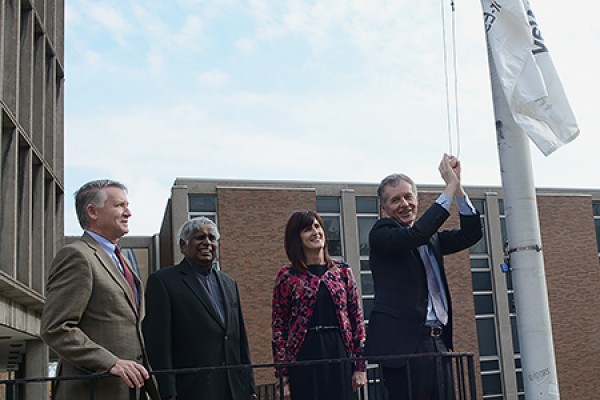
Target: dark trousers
[423, 378]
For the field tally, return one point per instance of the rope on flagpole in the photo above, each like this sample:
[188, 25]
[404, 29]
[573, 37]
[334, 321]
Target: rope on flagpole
[454, 68]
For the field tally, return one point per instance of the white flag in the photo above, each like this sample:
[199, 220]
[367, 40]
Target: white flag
[526, 74]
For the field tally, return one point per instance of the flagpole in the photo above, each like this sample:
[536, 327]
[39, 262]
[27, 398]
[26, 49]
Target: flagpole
[525, 250]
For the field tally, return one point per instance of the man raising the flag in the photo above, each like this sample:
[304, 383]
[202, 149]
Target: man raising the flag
[413, 311]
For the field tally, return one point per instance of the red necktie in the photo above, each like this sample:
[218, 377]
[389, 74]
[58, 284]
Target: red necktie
[127, 273]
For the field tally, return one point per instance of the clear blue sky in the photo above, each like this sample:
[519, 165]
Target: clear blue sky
[332, 90]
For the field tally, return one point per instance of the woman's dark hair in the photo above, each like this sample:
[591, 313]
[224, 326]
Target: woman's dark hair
[298, 221]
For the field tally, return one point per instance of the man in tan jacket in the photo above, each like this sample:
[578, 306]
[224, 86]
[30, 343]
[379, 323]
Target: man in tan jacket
[94, 303]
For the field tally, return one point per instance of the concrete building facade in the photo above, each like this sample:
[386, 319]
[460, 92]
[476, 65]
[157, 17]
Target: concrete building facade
[252, 214]
[31, 177]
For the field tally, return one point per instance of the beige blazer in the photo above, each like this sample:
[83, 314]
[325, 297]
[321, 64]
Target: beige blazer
[90, 320]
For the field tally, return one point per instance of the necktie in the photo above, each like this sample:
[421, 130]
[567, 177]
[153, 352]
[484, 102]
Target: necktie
[127, 273]
[434, 288]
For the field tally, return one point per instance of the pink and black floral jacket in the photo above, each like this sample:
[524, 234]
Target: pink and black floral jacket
[294, 297]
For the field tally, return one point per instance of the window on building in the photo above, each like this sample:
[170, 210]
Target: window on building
[365, 223]
[502, 221]
[596, 208]
[510, 293]
[329, 208]
[481, 246]
[367, 213]
[485, 312]
[367, 205]
[203, 205]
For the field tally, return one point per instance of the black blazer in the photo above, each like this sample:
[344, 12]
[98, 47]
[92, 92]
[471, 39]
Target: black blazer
[400, 307]
[183, 330]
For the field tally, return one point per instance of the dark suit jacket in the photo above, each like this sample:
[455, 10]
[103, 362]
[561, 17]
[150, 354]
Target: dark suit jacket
[90, 320]
[398, 316]
[182, 330]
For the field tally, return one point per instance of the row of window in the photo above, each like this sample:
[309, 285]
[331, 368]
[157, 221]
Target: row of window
[486, 314]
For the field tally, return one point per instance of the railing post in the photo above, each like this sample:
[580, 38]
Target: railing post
[449, 367]
[92, 389]
[378, 382]
[463, 377]
[457, 362]
[439, 373]
[472, 383]
[281, 383]
[408, 379]
[10, 391]
[314, 382]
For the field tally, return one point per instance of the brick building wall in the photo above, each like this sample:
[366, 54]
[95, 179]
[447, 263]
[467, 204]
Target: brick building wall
[573, 277]
[252, 223]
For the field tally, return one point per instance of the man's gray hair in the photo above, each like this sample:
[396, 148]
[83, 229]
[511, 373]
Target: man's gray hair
[189, 228]
[394, 180]
[91, 193]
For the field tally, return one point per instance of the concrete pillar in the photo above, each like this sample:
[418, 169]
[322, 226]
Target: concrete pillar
[179, 214]
[36, 364]
[503, 325]
[350, 229]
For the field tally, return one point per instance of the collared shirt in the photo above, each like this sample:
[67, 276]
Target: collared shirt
[110, 247]
[465, 207]
[208, 279]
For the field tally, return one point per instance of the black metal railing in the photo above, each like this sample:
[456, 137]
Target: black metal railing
[460, 386]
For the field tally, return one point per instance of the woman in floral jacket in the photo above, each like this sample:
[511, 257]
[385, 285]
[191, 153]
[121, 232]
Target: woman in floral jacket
[316, 315]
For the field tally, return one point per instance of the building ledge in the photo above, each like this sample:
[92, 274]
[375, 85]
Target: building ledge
[19, 293]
